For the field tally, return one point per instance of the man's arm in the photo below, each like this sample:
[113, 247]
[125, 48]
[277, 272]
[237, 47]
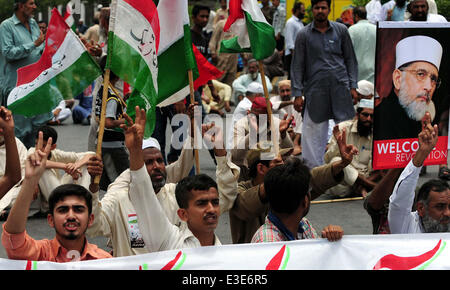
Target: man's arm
[13, 51]
[156, 229]
[12, 169]
[402, 198]
[227, 173]
[35, 167]
[329, 175]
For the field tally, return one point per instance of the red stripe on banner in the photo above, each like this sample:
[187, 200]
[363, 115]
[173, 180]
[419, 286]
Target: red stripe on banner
[172, 263]
[148, 9]
[394, 262]
[235, 12]
[29, 265]
[56, 32]
[275, 263]
[396, 153]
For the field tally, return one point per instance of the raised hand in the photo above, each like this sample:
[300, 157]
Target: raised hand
[6, 121]
[428, 138]
[36, 162]
[134, 135]
[284, 124]
[134, 131]
[347, 151]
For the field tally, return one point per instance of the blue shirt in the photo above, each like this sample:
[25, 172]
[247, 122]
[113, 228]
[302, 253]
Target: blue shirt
[364, 36]
[318, 56]
[17, 49]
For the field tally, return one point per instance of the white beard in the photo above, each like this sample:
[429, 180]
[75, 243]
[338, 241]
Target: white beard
[415, 110]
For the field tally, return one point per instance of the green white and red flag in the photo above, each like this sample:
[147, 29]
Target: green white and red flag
[175, 56]
[253, 33]
[133, 41]
[64, 70]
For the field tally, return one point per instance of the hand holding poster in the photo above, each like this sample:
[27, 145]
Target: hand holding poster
[411, 69]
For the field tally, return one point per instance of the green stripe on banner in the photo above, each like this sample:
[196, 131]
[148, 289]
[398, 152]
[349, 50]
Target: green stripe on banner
[66, 85]
[129, 66]
[137, 99]
[262, 38]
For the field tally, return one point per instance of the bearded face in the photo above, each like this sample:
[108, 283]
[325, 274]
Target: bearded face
[415, 106]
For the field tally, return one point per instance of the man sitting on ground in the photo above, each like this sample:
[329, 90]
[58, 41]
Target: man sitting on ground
[359, 177]
[287, 190]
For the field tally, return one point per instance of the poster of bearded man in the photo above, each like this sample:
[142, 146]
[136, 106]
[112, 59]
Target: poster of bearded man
[411, 78]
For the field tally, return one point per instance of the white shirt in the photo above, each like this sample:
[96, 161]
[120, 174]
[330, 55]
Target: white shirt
[239, 112]
[401, 219]
[373, 9]
[293, 26]
[158, 232]
[276, 102]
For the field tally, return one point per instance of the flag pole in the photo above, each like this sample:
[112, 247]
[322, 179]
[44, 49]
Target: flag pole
[269, 108]
[102, 120]
[191, 87]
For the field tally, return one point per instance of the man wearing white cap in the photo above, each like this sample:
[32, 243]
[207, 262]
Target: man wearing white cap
[424, 10]
[415, 79]
[253, 90]
[359, 178]
[241, 84]
[115, 214]
[365, 90]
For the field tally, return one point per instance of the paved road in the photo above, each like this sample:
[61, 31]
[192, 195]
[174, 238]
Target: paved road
[350, 215]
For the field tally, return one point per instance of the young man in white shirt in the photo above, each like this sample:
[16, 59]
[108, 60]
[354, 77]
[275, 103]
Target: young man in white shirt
[198, 199]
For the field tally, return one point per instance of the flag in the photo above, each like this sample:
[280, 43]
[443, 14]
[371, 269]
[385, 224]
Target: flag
[206, 70]
[64, 70]
[133, 41]
[253, 33]
[68, 17]
[175, 56]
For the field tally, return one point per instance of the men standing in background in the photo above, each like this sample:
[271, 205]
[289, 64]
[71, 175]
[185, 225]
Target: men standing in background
[325, 71]
[293, 26]
[364, 35]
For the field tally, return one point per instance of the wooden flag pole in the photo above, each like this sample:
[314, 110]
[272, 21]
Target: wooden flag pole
[101, 128]
[269, 109]
[191, 87]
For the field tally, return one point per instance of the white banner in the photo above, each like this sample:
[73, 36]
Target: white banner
[374, 252]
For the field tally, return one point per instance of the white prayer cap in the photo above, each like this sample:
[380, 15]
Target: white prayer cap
[365, 88]
[255, 87]
[418, 48]
[366, 103]
[151, 142]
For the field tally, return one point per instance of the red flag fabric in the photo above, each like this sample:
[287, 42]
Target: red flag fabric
[236, 12]
[56, 32]
[206, 70]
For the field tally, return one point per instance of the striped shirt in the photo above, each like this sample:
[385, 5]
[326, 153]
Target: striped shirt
[268, 232]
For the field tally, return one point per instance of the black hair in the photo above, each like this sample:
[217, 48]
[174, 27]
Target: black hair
[253, 167]
[314, 2]
[197, 8]
[62, 191]
[183, 190]
[287, 185]
[297, 6]
[17, 2]
[360, 11]
[436, 185]
[102, 63]
[47, 133]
